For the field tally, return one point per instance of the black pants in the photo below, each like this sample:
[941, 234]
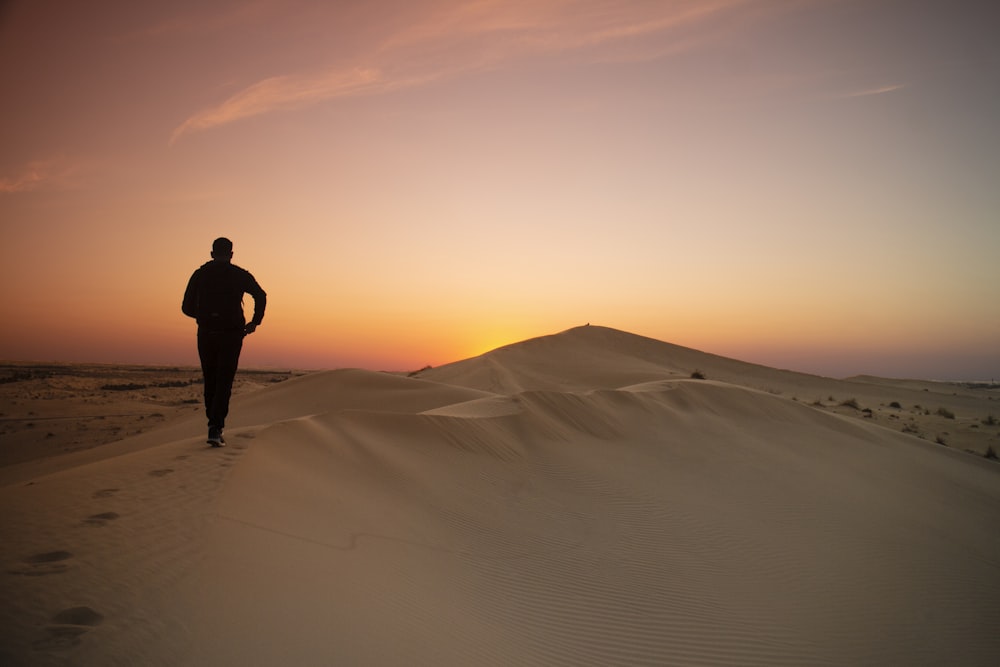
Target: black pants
[220, 355]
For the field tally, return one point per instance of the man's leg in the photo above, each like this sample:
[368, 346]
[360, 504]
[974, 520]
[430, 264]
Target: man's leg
[208, 353]
[226, 361]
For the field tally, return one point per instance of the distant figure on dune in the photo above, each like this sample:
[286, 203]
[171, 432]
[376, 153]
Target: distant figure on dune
[214, 297]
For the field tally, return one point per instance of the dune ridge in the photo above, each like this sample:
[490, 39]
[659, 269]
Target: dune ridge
[573, 500]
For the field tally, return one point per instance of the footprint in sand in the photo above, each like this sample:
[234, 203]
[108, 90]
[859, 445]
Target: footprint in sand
[50, 562]
[182, 457]
[101, 519]
[161, 472]
[105, 493]
[229, 459]
[67, 627]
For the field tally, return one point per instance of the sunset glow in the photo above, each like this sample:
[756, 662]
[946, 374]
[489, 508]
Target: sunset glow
[805, 185]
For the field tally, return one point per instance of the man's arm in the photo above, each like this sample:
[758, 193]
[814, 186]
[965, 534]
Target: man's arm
[190, 304]
[259, 303]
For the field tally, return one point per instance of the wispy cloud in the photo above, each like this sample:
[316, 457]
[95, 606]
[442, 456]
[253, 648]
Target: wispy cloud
[58, 172]
[286, 92]
[458, 37]
[881, 90]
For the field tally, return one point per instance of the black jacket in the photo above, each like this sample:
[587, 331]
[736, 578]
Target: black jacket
[214, 297]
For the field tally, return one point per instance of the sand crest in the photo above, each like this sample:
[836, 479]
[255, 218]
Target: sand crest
[572, 500]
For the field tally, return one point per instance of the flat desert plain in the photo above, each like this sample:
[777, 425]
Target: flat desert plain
[587, 498]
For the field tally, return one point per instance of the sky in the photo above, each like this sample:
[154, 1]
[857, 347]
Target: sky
[806, 184]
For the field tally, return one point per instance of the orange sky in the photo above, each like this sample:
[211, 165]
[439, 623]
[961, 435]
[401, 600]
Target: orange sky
[810, 185]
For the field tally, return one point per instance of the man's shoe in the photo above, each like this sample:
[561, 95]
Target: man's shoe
[215, 437]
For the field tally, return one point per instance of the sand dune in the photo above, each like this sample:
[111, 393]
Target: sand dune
[571, 500]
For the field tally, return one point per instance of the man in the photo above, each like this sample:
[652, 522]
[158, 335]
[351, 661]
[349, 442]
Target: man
[214, 297]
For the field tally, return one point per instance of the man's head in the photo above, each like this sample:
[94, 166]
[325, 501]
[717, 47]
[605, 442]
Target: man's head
[222, 249]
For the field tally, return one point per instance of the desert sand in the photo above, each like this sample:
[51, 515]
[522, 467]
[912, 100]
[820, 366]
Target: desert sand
[575, 499]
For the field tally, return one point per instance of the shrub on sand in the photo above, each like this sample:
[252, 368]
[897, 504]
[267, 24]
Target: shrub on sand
[946, 413]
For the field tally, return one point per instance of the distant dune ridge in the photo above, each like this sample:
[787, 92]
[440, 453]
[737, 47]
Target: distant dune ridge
[575, 499]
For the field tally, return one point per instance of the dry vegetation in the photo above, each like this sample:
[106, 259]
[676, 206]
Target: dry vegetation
[58, 408]
[973, 429]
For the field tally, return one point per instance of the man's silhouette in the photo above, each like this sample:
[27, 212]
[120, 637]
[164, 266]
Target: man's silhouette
[214, 297]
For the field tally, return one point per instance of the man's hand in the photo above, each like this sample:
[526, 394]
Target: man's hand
[249, 328]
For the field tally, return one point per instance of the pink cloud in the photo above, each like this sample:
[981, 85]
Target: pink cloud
[59, 172]
[459, 37]
[881, 90]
